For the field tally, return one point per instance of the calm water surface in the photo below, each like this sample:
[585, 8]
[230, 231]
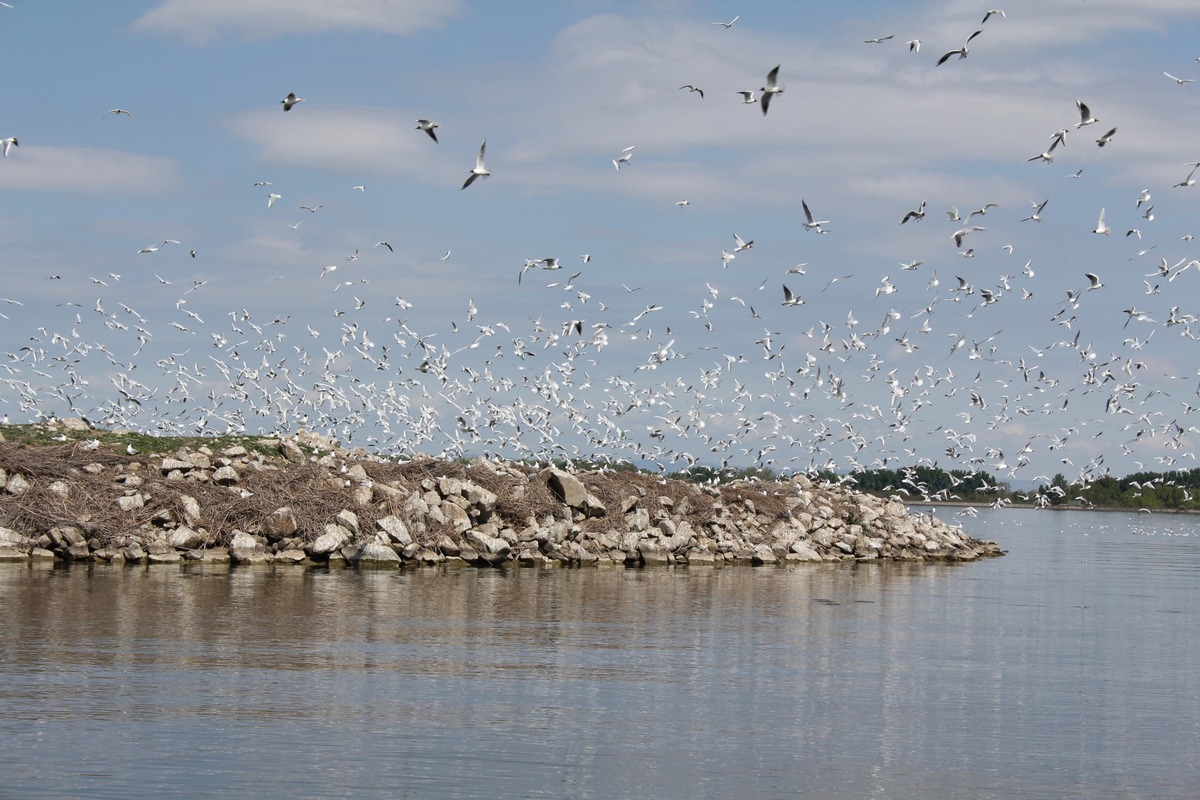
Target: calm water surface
[1066, 669]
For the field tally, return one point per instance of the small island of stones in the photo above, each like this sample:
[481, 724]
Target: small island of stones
[73, 494]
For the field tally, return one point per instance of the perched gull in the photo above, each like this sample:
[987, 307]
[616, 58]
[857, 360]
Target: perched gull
[626, 154]
[772, 88]
[290, 101]
[480, 171]
[428, 126]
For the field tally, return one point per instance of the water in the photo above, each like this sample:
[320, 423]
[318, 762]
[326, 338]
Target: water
[1066, 669]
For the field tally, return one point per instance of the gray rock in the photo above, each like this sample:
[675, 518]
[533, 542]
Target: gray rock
[16, 485]
[184, 538]
[395, 529]
[225, 476]
[374, 553]
[279, 523]
[566, 487]
[334, 538]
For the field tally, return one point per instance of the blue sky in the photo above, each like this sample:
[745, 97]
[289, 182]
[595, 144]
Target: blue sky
[408, 350]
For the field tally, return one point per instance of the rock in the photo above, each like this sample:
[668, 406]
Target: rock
[280, 523]
[395, 529]
[16, 485]
[566, 487]
[291, 451]
[130, 502]
[243, 546]
[334, 538]
[8, 553]
[374, 553]
[165, 558]
[191, 510]
[225, 476]
[347, 519]
[184, 538]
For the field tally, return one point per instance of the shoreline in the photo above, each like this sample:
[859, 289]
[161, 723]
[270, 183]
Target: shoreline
[305, 500]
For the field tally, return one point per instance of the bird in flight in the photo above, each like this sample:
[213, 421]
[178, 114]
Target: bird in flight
[812, 224]
[1106, 138]
[290, 101]
[692, 88]
[879, 39]
[1180, 81]
[747, 97]
[428, 126]
[1085, 115]
[117, 111]
[728, 25]
[1102, 228]
[961, 52]
[994, 12]
[626, 154]
[8, 143]
[772, 88]
[480, 171]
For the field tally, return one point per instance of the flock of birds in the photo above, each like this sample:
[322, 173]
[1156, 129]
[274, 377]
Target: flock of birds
[808, 391]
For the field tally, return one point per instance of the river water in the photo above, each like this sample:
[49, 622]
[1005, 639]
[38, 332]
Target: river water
[1069, 668]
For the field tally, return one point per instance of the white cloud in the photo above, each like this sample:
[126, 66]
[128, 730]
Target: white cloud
[340, 139]
[200, 20]
[87, 169]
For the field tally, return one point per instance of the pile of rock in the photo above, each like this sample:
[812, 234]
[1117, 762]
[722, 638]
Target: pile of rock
[247, 507]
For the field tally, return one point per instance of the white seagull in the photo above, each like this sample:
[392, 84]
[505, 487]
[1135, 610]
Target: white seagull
[117, 111]
[480, 171]
[1085, 115]
[626, 154]
[290, 101]
[812, 224]
[428, 126]
[728, 25]
[9, 143]
[1106, 138]
[772, 88]
[1100, 226]
[1180, 81]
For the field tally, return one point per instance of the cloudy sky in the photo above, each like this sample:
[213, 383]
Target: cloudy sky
[260, 315]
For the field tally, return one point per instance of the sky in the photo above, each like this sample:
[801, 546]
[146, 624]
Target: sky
[162, 270]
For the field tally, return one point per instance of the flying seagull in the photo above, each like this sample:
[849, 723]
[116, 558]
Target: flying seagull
[480, 171]
[747, 97]
[290, 101]
[428, 126]
[1100, 226]
[1106, 138]
[812, 224]
[960, 52]
[117, 111]
[8, 143]
[692, 88]
[1180, 81]
[728, 25]
[626, 154]
[994, 12]
[1085, 115]
[772, 88]
[879, 39]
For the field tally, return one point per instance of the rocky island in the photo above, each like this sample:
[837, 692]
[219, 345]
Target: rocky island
[71, 493]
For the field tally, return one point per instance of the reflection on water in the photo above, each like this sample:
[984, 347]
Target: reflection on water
[1065, 669]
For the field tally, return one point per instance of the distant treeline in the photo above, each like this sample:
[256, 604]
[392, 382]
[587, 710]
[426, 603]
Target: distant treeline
[1168, 490]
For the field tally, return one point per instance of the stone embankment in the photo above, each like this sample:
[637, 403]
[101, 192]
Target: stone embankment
[304, 500]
